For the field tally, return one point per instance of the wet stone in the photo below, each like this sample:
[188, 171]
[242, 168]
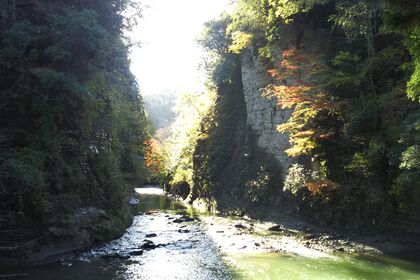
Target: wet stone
[275, 228]
[136, 253]
[148, 245]
[116, 256]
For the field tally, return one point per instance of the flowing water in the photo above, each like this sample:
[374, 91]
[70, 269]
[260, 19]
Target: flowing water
[165, 243]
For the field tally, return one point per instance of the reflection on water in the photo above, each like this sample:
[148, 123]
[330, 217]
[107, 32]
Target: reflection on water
[154, 199]
[183, 251]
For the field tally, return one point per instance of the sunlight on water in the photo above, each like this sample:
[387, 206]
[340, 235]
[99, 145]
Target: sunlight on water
[279, 267]
[150, 191]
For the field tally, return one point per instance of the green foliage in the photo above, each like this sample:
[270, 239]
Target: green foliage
[352, 17]
[402, 16]
[71, 120]
[214, 37]
[410, 158]
[240, 40]
[257, 189]
[298, 176]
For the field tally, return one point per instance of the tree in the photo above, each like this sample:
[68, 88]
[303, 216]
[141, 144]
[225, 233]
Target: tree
[312, 107]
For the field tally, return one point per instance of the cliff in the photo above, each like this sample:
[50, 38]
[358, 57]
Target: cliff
[263, 114]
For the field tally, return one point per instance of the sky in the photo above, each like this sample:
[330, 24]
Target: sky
[169, 57]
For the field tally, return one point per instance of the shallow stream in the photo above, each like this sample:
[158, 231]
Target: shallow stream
[168, 241]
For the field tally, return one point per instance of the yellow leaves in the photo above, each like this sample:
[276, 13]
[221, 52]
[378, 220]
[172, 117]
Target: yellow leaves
[284, 9]
[306, 133]
[241, 40]
[300, 146]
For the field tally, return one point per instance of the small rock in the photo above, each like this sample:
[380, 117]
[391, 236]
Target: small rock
[187, 219]
[116, 256]
[148, 245]
[275, 228]
[257, 244]
[134, 201]
[241, 226]
[220, 231]
[136, 253]
[310, 236]
[151, 235]
[183, 230]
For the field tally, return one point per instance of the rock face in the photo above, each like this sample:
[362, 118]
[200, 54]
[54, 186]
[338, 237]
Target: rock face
[263, 113]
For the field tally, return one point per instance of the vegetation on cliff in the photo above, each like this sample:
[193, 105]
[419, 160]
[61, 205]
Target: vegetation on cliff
[72, 124]
[349, 71]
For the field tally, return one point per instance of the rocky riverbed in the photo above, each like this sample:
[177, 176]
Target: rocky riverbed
[169, 241]
[247, 235]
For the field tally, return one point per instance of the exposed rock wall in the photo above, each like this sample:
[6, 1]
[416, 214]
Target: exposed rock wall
[263, 114]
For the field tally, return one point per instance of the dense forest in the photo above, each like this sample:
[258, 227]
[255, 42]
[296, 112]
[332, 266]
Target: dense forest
[347, 73]
[72, 122]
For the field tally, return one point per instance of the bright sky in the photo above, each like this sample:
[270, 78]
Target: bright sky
[169, 56]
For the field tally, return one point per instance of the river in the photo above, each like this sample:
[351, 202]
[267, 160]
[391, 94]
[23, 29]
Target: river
[169, 241]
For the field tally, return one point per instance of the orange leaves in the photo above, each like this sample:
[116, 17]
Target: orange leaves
[320, 187]
[299, 89]
[153, 158]
[272, 73]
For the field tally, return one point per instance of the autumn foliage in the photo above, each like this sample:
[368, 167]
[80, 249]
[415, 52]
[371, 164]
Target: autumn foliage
[298, 88]
[153, 158]
[322, 186]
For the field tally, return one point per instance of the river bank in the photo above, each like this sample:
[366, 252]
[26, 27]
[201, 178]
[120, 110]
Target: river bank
[281, 233]
[295, 237]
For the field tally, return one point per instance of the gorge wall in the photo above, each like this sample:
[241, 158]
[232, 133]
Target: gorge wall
[263, 113]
